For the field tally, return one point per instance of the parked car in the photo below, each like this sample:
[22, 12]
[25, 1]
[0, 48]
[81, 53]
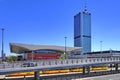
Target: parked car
[28, 64]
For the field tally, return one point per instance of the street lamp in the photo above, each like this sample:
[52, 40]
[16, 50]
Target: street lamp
[2, 52]
[65, 46]
[101, 46]
[32, 55]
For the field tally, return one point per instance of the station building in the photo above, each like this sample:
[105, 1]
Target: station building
[40, 52]
[103, 54]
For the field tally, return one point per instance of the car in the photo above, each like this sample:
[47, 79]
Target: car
[28, 64]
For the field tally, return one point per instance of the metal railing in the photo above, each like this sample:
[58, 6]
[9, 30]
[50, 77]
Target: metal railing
[59, 62]
[14, 66]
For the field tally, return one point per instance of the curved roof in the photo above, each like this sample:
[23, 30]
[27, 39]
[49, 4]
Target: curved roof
[21, 48]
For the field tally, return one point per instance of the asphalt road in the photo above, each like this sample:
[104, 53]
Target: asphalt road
[104, 77]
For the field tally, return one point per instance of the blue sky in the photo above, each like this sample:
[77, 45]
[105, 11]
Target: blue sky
[49, 21]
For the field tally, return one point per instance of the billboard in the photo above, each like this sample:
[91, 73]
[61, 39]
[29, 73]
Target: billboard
[39, 56]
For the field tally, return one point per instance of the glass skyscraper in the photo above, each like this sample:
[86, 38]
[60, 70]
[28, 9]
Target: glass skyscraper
[82, 31]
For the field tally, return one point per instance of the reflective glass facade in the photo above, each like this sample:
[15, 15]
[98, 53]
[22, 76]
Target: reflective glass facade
[82, 31]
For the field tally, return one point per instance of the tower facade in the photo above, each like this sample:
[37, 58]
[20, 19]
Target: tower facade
[82, 31]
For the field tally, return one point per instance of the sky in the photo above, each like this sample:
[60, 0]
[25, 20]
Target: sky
[49, 21]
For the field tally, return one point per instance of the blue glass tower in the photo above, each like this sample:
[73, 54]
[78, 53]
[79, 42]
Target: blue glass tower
[82, 31]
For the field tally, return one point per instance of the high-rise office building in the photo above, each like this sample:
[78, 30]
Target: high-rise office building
[82, 30]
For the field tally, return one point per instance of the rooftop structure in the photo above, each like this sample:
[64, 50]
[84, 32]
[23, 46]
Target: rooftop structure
[22, 48]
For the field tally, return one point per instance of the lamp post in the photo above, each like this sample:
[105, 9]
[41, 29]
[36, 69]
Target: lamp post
[101, 46]
[65, 46]
[2, 52]
[32, 55]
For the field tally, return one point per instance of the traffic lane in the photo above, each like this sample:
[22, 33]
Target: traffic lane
[104, 77]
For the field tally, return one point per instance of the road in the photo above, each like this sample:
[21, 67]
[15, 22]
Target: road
[104, 77]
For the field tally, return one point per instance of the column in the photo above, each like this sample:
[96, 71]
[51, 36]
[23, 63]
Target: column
[83, 69]
[36, 75]
[111, 66]
[88, 69]
[24, 78]
[116, 67]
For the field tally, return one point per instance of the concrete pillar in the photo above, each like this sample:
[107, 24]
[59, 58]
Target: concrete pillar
[116, 67]
[24, 78]
[83, 69]
[36, 75]
[88, 69]
[111, 66]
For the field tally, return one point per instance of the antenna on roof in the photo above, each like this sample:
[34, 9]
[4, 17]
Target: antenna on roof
[85, 8]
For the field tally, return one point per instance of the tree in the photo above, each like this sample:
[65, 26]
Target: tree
[11, 58]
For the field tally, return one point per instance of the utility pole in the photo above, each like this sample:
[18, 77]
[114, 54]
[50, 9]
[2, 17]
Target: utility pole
[65, 46]
[2, 52]
[101, 46]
